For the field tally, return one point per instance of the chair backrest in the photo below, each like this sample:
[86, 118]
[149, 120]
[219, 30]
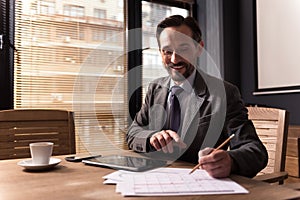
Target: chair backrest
[271, 125]
[19, 127]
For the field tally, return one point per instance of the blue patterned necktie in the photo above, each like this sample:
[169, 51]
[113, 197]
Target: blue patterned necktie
[175, 113]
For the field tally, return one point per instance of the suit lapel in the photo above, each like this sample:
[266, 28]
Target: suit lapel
[193, 108]
[158, 109]
[196, 99]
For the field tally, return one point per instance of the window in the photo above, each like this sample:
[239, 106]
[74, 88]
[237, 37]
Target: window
[73, 11]
[43, 7]
[99, 13]
[98, 35]
[65, 62]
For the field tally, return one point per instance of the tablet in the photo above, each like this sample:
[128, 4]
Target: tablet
[126, 162]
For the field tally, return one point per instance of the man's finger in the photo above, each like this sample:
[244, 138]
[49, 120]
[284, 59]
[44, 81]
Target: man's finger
[170, 147]
[213, 157]
[180, 144]
[205, 151]
[162, 142]
[168, 140]
[154, 142]
[177, 139]
[173, 135]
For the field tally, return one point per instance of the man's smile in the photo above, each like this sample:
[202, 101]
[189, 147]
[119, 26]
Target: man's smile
[177, 66]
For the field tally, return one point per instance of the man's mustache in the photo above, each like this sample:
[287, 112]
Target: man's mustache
[177, 64]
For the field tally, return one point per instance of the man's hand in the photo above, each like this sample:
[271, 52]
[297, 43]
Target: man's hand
[165, 140]
[216, 163]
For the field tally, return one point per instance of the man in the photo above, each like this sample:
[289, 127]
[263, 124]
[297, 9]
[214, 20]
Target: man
[210, 110]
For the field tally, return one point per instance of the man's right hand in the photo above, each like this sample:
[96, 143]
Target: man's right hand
[217, 163]
[165, 140]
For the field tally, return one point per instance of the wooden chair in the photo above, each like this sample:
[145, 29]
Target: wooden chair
[271, 125]
[20, 127]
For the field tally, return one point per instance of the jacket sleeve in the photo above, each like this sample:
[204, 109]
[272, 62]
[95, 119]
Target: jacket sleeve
[248, 153]
[138, 134]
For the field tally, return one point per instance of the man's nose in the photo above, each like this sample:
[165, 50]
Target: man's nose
[175, 58]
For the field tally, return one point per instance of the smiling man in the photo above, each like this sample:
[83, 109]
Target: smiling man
[190, 110]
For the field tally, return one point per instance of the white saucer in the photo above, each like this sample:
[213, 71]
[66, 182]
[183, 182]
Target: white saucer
[27, 164]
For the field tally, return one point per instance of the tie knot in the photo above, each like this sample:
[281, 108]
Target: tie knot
[176, 90]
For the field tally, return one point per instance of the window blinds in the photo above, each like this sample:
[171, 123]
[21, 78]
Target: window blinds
[70, 57]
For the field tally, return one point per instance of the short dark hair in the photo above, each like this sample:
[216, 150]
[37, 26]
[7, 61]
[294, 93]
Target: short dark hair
[178, 20]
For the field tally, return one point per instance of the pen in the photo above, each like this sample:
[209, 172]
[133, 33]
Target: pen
[79, 159]
[219, 147]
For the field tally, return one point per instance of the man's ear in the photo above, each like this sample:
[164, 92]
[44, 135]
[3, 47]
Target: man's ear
[160, 51]
[200, 47]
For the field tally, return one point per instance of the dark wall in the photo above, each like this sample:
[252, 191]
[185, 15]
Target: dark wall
[224, 24]
[6, 55]
[231, 41]
[248, 63]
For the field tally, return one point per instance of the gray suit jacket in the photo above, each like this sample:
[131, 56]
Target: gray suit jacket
[215, 111]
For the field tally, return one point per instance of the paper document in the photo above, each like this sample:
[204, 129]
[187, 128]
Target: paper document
[171, 182]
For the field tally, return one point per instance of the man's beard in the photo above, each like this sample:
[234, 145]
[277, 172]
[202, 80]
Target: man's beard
[177, 76]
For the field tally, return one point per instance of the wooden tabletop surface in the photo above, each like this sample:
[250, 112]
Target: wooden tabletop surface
[79, 181]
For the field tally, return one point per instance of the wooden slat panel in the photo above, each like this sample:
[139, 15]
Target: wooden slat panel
[270, 147]
[25, 143]
[263, 114]
[25, 152]
[34, 136]
[31, 124]
[268, 139]
[292, 166]
[293, 147]
[32, 115]
[271, 125]
[266, 132]
[39, 136]
[263, 124]
[271, 162]
[294, 131]
[15, 136]
[271, 154]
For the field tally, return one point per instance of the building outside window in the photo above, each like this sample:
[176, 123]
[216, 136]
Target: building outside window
[99, 13]
[73, 10]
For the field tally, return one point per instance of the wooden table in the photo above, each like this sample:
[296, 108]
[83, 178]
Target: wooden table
[78, 181]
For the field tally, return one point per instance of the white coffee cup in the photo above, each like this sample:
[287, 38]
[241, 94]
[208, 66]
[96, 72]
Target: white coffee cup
[41, 152]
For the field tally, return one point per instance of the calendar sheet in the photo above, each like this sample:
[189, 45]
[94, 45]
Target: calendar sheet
[175, 181]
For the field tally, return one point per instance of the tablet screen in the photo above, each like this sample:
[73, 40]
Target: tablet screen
[126, 162]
